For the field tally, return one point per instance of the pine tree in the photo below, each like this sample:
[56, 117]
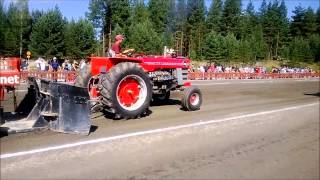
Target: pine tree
[314, 43]
[195, 27]
[120, 13]
[25, 26]
[231, 46]
[275, 27]
[214, 16]
[3, 25]
[318, 20]
[213, 47]
[309, 23]
[263, 8]
[248, 21]
[12, 31]
[181, 17]
[79, 39]
[170, 25]
[158, 14]
[144, 39]
[139, 12]
[300, 51]
[296, 26]
[230, 17]
[47, 36]
[99, 14]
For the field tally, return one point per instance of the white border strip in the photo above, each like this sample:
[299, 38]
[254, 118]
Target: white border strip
[161, 130]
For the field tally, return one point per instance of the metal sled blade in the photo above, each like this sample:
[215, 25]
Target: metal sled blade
[73, 112]
[60, 107]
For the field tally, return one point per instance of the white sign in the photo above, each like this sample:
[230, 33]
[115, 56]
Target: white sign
[9, 80]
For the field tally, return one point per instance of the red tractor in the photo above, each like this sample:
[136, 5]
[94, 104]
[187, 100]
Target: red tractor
[121, 86]
[125, 86]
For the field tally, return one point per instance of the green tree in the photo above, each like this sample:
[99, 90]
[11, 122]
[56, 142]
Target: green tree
[275, 27]
[181, 27]
[47, 37]
[309, 23]
[106, 14]
[245, 52]
[181, 16]
[11, 31]
[296, 26]
[16, 28]
[213, 47]
[257, 44]
[231, 46]
[314, 44]
[214, 16]
[159, 11]
[300, 51]
[263, 8]
[170, 25]
[195, 27]
[3, 24]
[79, 40]
[35, 15]
[230, 17]
[143, 38]
[139, 12]
[318, 20]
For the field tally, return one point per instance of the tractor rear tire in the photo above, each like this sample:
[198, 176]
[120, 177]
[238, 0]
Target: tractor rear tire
[84, 76]
[192, 99]
[126, 90]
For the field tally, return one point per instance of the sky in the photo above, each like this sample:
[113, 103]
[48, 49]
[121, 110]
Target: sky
[77, 8]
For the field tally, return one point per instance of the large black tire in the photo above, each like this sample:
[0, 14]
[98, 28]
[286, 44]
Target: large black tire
[111, 83]
[83, 76]
[191, 99]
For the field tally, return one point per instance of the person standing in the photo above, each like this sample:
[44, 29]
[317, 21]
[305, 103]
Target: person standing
[55, 67]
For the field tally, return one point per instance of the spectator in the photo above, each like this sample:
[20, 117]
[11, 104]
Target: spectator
[82, 63]
[38, 63]
[66, 65]
[54, 64]
[202, 70]
[24, 64]
[42, 64]
[75, 65]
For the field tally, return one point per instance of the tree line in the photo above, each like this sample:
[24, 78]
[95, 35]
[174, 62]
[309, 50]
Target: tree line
[46, 34]
[223, 32]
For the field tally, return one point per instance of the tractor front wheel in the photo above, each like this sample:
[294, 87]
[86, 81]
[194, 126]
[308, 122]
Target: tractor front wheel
[192, 99]
[126, 90]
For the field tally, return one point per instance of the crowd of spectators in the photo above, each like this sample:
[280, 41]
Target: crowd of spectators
[213, 68]
[53, 64]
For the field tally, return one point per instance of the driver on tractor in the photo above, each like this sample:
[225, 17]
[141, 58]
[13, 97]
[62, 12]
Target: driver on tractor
[115, 50]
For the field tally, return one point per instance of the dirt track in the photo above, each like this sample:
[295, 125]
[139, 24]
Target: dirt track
[244, 130]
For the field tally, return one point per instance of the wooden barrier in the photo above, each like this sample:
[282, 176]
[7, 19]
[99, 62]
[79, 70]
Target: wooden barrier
[66, 76]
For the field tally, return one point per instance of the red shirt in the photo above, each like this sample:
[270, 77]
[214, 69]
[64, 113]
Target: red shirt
[116, 47]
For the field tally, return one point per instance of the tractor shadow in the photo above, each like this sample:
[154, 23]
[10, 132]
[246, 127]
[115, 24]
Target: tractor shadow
[114, 117]
[166, 102]
[93, 129]
[312, 94]
[3, 132]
